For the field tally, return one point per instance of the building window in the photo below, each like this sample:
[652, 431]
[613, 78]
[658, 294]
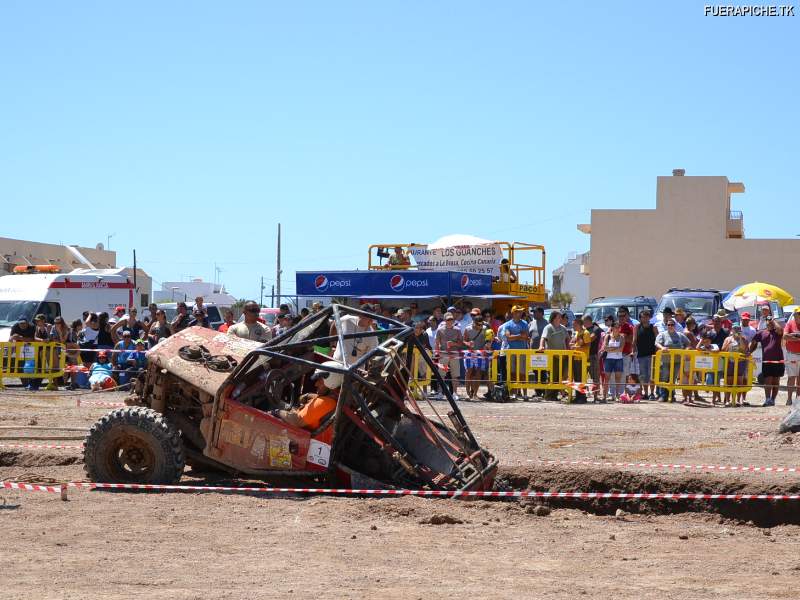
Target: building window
[145, 300]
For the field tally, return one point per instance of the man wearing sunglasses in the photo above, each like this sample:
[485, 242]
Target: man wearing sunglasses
[250, 328]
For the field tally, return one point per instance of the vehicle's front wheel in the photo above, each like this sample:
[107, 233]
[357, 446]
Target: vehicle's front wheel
[133, 445]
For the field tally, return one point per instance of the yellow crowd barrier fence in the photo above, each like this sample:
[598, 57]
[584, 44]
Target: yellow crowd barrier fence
[32, 360]
[420, 371]
[698, 370]
[546, 370]
[549, 370]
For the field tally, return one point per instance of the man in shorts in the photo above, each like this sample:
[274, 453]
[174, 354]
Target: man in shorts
[475, 361]
[594, 368]
[645, 349]
[449, 343]
[791, 337]
[513, 335]
[666, 341]
[772, 355]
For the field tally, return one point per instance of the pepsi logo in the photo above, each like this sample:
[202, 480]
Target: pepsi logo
[397, 283]
[321, 283]
[468, 282]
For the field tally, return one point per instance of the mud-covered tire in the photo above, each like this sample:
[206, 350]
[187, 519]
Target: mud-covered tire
[133, 445]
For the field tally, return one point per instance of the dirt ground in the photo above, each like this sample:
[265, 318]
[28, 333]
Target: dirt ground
[213, 545]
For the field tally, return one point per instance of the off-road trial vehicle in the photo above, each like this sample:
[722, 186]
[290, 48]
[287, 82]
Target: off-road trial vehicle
[207, 399]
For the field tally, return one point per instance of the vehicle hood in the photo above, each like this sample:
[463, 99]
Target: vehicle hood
[166, 356]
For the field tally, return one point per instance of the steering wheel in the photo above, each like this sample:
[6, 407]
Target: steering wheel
[276, 385]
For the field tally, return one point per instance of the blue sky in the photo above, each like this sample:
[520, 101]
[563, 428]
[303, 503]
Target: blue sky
[190, 129]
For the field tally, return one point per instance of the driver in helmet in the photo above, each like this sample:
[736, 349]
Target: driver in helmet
[314, 408]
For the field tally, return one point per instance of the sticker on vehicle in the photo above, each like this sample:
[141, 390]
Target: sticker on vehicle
[319, 453]
[259, 446]
[279, 455]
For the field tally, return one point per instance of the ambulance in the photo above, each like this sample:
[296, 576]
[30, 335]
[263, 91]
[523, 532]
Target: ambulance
[43, 290]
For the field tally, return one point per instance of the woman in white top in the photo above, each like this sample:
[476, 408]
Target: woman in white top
[737, 369]
[613, 364]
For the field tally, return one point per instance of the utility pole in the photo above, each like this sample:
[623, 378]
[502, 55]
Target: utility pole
[272, 304]
[278, 277]
[135, 287]
[261, 302]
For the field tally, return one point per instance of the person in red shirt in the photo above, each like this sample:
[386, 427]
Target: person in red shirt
[629, 334]
[726, 322]
[791, 337]
[228, 320]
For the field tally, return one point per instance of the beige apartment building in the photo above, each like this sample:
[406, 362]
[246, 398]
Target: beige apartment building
[691, 239]
[15, 253]
[23, 252]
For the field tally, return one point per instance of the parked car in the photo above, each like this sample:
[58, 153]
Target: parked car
[270, 315]
[700, 303]
[601, 307]
[213, 311]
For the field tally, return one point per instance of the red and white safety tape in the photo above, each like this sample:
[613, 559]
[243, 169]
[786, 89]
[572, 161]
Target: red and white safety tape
[635, 419]
[42, 446]
[30, 487]
[79, 403]
[422, 493]
[591, 463]
[642, 465]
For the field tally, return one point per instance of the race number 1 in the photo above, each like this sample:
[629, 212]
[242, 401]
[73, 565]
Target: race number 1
[319, 453]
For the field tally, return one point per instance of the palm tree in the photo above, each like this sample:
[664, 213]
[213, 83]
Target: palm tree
[562, 299]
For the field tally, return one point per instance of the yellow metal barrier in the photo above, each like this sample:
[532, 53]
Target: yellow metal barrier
[697, 370]
[420, 371]
[32, 360]
[541, 369]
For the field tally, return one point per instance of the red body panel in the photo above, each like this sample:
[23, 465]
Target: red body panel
[251, 439]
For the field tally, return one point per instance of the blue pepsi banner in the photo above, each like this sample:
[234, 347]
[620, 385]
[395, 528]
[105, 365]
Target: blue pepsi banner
[409, 283]
[470, 284]
[385, 284]
[332, 283]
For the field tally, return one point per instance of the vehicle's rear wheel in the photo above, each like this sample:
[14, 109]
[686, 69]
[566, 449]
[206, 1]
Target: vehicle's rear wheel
[133, 445]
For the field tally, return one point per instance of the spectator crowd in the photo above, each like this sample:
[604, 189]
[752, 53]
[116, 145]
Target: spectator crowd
[463, 339]
[110, 349]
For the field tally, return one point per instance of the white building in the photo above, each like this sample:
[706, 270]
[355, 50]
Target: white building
[187, 291]
[571, 277]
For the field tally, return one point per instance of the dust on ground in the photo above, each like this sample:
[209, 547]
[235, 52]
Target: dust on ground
[215, 545]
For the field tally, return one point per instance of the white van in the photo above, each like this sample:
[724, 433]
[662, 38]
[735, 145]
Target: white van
[66, 294]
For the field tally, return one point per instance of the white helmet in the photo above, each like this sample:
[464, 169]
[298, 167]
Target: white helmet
[332, 380]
